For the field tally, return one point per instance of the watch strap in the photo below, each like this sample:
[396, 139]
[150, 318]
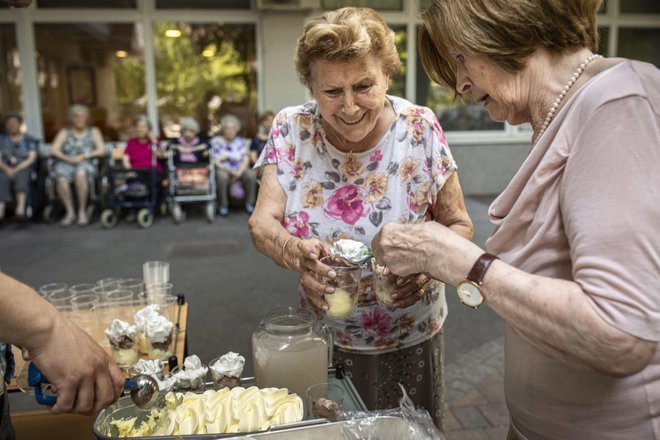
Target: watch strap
[478, 271]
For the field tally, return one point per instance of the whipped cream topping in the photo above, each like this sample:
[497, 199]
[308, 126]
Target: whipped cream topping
[158, 328]
[192, 374]
[148, 367]
[120, 329]
[154, 368]
[144, 315]
[350, 250]
[230, 364]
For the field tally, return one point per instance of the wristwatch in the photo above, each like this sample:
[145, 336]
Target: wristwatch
[469, 291]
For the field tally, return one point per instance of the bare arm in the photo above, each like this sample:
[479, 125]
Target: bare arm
[83, 374]
[99, 144]
[275, 242]
[27, 163]
[449, 209]
[56, 147]
[126, 160]
[566, 327]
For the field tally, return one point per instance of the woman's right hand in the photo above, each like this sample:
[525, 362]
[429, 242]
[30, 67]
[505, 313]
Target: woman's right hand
[312, 270]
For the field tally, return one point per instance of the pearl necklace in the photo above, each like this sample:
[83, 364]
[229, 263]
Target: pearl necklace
[562, 94]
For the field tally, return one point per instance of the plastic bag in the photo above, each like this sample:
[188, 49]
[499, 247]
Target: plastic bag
[405, 422]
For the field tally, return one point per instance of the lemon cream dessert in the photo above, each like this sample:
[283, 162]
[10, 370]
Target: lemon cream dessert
[158, 334]
[122, 337]
[216, 412]
[341, 303]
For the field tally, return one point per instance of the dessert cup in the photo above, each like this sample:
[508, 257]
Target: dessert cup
[325, 401]
[343, 302]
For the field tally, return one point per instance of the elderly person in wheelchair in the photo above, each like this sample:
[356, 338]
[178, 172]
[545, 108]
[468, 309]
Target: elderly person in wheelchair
[74, 149]
[18, 153]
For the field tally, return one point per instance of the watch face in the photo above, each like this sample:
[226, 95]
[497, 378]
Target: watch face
[470, 294]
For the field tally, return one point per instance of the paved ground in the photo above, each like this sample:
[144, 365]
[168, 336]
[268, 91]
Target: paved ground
[229, 286]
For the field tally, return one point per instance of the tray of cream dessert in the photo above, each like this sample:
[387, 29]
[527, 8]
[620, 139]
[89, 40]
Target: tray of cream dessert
[381, 427]
[188, 407]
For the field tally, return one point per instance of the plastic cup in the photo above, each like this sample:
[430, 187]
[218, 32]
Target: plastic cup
[118, 306]
[343, 302]
[61, 299]
[168, 306]
[156, 291]
[108, 284]
[325, 401]
[135, 285]
[84, 312]
[383, 286]
[49, 288]
[197, 384]
[156, 272]
[82, 288]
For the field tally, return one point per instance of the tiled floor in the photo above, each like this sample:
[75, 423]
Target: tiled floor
[475, 395]
[481, 413]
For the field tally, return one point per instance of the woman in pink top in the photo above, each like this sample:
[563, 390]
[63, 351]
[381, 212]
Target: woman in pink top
[138, 152]
[576, 231]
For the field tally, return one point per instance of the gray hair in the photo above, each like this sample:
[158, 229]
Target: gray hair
[230, 119]
[140, 119]
[190, 123]
[78, 108]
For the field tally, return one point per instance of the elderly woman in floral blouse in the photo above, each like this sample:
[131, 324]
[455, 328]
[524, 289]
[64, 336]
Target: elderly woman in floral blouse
[343, 165]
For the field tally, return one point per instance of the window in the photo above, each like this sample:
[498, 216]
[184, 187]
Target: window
[640, 6]
[110, 4]
[379, 5]
[640, 44]
[398, 81]
[96, 64]
[10, 86]
[205, 71]
[202, 4]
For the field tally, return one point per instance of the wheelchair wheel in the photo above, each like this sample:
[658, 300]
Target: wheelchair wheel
[108, 219]
[177, 213]
[48, 213]
[210, 211]
[145, 218]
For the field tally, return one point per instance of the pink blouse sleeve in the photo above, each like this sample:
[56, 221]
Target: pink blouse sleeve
[610, 204]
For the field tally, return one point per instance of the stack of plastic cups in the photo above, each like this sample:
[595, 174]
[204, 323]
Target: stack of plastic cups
[156, 280]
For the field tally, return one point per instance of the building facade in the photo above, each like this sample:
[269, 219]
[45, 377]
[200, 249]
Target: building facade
[174, 58]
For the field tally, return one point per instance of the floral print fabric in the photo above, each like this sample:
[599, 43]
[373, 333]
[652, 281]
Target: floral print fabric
[333, 195]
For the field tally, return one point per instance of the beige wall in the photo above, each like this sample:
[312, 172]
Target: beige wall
[487, 169]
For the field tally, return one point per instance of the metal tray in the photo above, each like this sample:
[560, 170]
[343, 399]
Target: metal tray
[125, 408]
[377, 428]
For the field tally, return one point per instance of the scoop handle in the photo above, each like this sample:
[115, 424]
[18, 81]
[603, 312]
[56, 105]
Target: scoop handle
[35, 379]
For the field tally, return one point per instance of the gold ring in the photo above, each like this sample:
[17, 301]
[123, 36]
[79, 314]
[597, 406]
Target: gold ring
[422, 292]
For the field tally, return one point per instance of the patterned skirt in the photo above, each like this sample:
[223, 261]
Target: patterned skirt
[419, 369]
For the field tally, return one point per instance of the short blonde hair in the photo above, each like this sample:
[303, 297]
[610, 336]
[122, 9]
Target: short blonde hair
[346, 34]
[506, 31]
